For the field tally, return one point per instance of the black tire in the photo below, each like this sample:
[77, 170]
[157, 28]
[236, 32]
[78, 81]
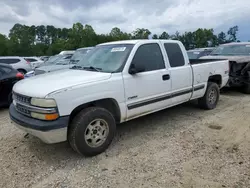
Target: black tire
[79, 127]
[205, 102]
[246, 88]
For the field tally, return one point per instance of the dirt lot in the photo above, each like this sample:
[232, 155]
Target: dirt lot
[179, 147]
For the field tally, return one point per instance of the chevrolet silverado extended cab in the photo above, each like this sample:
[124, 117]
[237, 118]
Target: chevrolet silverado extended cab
[114, 83]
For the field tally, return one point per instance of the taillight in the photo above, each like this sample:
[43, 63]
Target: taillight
[19, 75]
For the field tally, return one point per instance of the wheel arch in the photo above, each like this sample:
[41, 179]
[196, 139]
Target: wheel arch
[109, 104]
[216, 79]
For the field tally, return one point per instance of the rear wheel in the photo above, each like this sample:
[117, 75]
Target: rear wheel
[210, 99]
[91, 131]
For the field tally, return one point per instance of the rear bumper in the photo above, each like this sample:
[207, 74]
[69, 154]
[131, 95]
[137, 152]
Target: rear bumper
[48, 131]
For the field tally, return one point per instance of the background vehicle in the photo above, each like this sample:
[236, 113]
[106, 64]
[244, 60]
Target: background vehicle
[34, 61]
[8, 77]
[18, 63]
[111, 85]
[67, 52]
[44, 58]
[56, 58]
[238, 55]
[199, 52]
[63, 62]
[48, 65]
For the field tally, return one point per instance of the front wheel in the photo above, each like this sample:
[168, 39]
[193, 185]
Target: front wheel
[91, 131]
[210, 99]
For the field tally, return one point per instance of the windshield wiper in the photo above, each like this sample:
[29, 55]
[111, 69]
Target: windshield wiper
[92, 68]
[76, 67]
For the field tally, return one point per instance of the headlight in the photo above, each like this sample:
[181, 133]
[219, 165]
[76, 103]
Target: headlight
[46, 103]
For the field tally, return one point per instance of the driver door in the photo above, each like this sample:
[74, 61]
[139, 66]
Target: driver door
[148, 90]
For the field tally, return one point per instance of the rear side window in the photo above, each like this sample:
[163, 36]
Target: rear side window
[9, 61]
[175, 54]
[30, 59]
[150, 57]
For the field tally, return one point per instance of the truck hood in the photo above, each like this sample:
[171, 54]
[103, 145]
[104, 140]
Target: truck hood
[42, 85]
[237, 59]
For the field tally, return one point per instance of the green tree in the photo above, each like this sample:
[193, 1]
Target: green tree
[89, 36]
[154, 36]
[41, 33]
[164, 35]
[117, 34]
[222, 38]
[141, 33]
[232, 33]
[3, 44]
[26, 40]
[202, 38]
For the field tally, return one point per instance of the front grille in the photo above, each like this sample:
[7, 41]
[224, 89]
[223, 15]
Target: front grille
[22, 109]
[37, 72]
[21, 98]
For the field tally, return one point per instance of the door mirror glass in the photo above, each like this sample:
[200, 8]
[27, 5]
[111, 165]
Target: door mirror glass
[135, 68]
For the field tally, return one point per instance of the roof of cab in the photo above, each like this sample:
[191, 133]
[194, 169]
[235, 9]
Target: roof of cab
[137, 41]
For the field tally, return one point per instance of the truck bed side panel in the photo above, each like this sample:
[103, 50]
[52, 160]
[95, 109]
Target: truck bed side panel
[203, 71]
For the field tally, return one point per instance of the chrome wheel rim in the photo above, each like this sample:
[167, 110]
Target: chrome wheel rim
[96, 133]
[212, 96]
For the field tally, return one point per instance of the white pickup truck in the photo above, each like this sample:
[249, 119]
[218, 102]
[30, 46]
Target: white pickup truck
[116, 82]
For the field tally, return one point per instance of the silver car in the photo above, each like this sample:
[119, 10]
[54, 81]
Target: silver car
[64, 62]
[18, 63]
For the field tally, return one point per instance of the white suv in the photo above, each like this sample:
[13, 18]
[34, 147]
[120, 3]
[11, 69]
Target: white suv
[18, 63]
[34, 61]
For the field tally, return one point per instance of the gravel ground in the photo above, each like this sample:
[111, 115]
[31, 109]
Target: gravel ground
[178, 147]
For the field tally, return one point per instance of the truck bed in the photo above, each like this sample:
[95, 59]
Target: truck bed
[200, 61]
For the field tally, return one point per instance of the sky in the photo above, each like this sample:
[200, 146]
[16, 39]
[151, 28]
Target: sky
[155, 15]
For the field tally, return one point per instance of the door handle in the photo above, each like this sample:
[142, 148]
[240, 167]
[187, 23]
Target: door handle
[166, 77]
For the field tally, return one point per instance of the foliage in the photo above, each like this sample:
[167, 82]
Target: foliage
[41, 40]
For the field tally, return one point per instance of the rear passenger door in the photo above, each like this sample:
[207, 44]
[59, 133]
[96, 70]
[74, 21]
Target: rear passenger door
[148, 90]
[181, 73]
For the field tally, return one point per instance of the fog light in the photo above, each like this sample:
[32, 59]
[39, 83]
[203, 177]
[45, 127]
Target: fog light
[44, 116]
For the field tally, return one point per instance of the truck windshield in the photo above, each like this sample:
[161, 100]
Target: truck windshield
[78, 55]
[232, 50]
[105, 58]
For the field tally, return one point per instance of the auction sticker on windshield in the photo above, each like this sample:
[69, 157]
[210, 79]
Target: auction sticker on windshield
[118, 49]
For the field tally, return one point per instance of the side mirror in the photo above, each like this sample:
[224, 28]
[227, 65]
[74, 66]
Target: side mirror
[135, 69]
